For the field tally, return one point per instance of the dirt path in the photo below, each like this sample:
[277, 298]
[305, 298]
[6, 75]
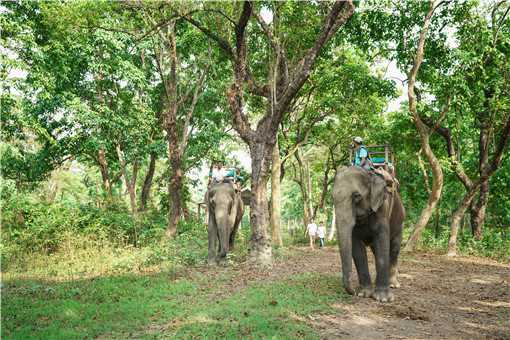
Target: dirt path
[440, 298]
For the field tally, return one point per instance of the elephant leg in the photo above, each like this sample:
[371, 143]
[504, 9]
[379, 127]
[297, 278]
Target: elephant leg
[394, 252]
[231, 240]
[235, 229]
[359, 254]
[381, 248]
[212, 231]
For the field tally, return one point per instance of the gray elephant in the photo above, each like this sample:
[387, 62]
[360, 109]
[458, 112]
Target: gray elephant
[225, 209]
[369, 212]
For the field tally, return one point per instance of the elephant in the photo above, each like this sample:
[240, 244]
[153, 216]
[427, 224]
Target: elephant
[225, 210]
[369, 212]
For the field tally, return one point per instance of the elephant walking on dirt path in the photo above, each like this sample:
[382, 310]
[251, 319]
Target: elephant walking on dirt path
[225, 208]
[369, 212]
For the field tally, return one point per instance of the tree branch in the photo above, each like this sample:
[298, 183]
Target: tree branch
[338, 15]
[235, 92]
[222, 43]
[187, 120]
[253, 87]
[488, 170]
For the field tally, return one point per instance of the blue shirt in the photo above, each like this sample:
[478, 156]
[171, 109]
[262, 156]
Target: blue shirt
[361, 153]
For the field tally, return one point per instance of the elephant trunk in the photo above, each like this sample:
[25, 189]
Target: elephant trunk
[344, 226]
[222, 221]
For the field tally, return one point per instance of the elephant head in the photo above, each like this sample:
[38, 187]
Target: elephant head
[377, 192]
[356, 195]
[225, 212]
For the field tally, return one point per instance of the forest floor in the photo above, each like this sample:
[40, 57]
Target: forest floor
[301, 296]
[440, 298]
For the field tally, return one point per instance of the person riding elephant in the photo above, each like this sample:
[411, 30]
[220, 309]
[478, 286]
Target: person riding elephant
[369, 212]
[362, 159]
[225, 210]
[361, 156]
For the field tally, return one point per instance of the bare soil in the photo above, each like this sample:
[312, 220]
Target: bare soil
[440, 297]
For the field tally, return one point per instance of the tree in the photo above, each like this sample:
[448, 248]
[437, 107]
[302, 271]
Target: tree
[462, 88]
[342, 98]
[182, 87]
[393, 36]
[484, 88]
[292, 70]
[424, 132]
[275, 223]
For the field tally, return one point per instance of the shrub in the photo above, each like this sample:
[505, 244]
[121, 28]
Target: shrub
[495, 242]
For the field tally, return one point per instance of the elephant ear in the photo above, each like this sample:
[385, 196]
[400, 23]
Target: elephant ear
[377, 186]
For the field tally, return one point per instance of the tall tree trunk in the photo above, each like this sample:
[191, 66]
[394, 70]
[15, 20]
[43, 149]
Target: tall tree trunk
[304, 185]
[478, 211]
[325, 186]
[276, 197]
[131, 188]
[332, 230]
[487, 172]
[147, 183]
[437, 227]
[177, 127]
[130, 185]
[435, 194]
[260, 242]
[457, 219]
[309, 187]
[423, 131]
[103, 167]
[174, 192]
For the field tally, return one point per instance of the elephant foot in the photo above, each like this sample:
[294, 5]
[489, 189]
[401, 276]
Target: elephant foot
[223, 262]
[364, 292]
[394, 283]
[348, 288]
[211, 262]
[383, 295]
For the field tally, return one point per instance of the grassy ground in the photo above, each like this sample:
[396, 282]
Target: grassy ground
[300, 297]
[165, 305]
[88, 290]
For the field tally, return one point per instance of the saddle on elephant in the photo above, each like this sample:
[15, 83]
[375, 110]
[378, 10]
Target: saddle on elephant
[381, 162]
[219, 173]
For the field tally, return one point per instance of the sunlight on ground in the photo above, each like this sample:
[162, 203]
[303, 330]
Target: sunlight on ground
[486, 279]
[504, 304]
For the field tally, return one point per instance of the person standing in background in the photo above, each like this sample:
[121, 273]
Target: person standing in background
[321, 233]
[311, 230]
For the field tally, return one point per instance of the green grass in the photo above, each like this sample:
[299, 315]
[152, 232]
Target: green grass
[89, 308]
[162, 306]
[266, 310]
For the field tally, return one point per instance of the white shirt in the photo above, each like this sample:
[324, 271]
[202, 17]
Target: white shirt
[321, 231]
[312, 229]
[218, 174]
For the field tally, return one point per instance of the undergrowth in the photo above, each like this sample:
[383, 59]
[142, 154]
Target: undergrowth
[59, 242]
[495, 243]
